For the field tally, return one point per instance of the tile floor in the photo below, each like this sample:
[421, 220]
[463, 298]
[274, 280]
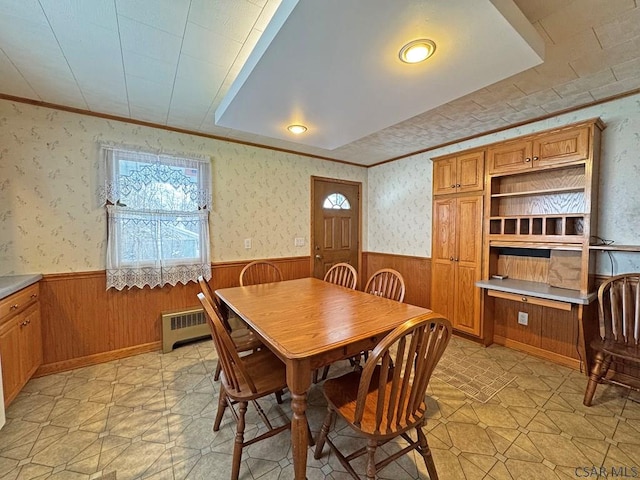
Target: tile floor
[150, 417]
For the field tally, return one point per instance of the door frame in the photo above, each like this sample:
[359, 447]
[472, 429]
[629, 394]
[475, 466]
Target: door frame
[312, 234]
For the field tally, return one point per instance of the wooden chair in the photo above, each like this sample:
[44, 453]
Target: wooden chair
[342, 274]
[259, 272]
[386, 399]
[387, 283]
[619, 299]
[243, 380]
[243, 338]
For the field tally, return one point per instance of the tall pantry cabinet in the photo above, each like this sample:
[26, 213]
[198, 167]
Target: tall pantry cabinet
[456, 253]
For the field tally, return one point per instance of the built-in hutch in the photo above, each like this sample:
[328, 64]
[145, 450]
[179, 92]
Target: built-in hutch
[535, 288]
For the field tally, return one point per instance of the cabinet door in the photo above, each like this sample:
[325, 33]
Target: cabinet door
[442, 256]
[468, 264]
[561, 147]
[509, 157]
[10, 353]
[470, 172]
[444, 176]
[31, 341]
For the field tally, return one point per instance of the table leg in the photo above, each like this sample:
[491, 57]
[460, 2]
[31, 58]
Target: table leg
[299, 381]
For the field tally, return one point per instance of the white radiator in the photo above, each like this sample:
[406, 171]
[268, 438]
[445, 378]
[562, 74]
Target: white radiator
[183, 325]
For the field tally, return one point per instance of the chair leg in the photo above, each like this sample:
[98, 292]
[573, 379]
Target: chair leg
[222, 405]
[424, 449]
[594, 378]
[325, 372]
[279, 397]
[322, 436]
[239, 443]
[216, 376]
[263, 416]
[371, 458]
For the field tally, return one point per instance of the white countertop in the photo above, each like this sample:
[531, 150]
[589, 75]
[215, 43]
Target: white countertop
[535, 289]
[11, 284]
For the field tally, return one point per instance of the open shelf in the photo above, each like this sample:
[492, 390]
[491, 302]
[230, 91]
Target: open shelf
[541, 245]
[561, 227]
[546, 191]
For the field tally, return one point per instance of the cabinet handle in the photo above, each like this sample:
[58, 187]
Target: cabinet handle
[457, 260]
[524, 299]
[457, 185]
[535, 158]
[23, 324]
[527, 159]
[451, 259]
[453, 186]
[34, 295]
[14, 307]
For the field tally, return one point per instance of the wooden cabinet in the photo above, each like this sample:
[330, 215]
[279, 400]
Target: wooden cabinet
[456, 261]
[553, 148]
[20, 339]
[458, 173]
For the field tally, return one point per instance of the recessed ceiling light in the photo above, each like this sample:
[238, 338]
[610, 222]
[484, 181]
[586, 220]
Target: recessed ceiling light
[417, 51]
[297, 129]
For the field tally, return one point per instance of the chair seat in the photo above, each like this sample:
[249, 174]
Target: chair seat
[609, 347]
[244, 339]
[267, 371]
[342, 393]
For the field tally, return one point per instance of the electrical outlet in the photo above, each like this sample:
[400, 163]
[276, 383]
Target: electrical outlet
[523, 318]
[247, 243]
[298, 241]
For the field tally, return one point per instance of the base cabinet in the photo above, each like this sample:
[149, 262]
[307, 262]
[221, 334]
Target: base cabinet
[20, 340]
[456, 261]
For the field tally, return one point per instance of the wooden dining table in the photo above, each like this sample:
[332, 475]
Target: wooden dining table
[309, 323]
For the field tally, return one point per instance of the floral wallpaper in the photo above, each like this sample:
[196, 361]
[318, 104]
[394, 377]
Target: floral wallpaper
[51, 220]
[400, 192]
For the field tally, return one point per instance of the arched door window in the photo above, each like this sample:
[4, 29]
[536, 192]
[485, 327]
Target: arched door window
[336, 201]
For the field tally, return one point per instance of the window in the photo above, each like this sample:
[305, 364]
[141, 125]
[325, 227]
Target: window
[158, 218]
[336, 201]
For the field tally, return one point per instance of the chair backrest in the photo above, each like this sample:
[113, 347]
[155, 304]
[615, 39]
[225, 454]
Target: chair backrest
[235, 373]
[342, 274]
[619, 299]
[405, 360]
[259, 272]
[387, 283]
[209, 295]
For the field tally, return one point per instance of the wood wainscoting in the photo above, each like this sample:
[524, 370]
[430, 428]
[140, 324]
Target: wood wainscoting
[415, 270]
[84, 324]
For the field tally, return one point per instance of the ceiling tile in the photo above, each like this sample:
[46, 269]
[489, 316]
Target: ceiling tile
[620, 30]
[152, 69]
[167, 15]
[13, 83]
[621, 86]
[535, 100]
[621, 53]
[627, 69]
[149, 41]
[577, 99]
[26, 10]
[268, 11]
[582, 15]
[536, 10]
[140, 91]
[77, 12]
[584, 84]
[209, 46]
[227, 18]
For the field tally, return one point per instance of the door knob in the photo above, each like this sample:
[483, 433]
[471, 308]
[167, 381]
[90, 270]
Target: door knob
[318, 257]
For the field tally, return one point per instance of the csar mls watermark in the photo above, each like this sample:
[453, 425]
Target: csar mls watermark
[607, 472]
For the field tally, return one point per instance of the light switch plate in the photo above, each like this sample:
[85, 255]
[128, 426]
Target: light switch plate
[247, 243]
[523, 318]
[298, 241]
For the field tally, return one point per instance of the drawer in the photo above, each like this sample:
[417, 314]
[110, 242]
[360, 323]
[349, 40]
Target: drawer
[19, 300]
[544, 302]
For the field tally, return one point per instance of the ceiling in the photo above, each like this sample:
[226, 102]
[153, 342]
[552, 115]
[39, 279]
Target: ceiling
[173, 62]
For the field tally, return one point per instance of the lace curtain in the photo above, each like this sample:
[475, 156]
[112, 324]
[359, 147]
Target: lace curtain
[158, 218]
